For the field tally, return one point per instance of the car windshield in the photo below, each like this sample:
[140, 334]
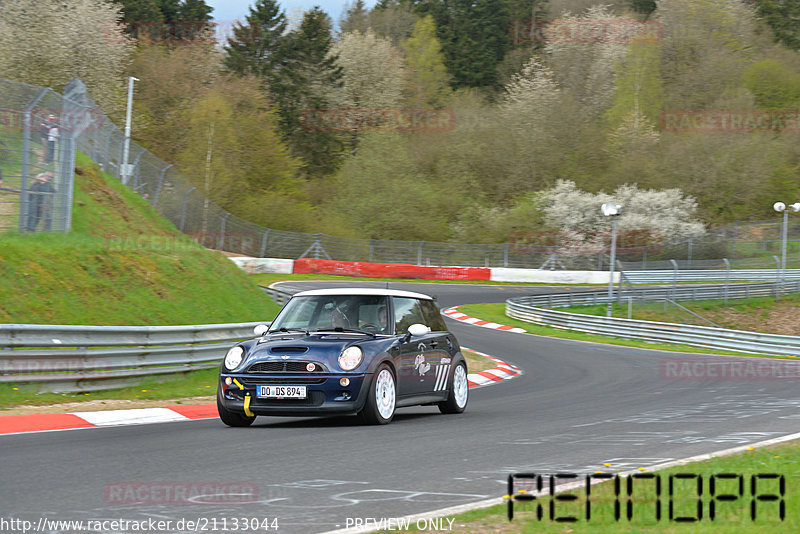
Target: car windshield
[365, 313]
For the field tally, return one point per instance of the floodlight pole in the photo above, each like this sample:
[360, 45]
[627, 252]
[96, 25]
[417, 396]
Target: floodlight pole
[781, 207]
[611, 264]
[784, 235]
[126, 171]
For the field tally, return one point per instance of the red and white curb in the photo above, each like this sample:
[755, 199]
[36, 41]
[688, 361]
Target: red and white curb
[503, 371]
[18, 424]
[453, 313]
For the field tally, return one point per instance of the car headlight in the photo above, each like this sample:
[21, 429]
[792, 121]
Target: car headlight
[234, 358]
[351, 358]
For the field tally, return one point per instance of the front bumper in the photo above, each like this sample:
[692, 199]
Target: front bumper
[325, 395]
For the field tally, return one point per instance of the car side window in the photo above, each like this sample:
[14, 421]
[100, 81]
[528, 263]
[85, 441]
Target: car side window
[407, 311]
[433, 318]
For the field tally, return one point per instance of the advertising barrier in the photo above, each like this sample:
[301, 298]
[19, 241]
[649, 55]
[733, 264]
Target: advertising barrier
[389, 270]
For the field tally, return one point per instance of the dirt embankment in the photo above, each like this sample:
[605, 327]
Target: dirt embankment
[780, 318]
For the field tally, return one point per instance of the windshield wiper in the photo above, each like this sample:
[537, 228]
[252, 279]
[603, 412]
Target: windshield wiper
[353, 330]
[284, 329]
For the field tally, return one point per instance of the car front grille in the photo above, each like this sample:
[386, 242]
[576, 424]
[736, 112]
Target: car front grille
[283, 367]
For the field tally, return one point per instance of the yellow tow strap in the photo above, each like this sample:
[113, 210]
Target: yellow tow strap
[247, 411]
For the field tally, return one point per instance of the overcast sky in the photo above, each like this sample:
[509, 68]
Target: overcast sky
[227, 11]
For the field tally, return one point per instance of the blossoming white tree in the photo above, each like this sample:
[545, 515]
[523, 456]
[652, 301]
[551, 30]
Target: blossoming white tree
[665, 215]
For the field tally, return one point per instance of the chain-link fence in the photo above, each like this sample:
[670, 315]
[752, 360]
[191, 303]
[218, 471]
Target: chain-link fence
[37, 154]
[27, 150]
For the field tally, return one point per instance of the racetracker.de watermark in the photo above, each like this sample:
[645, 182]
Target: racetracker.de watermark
[180, 492]
[731, 121]
[30, 366]
[693, 369]
[616, 30]
[378, 120]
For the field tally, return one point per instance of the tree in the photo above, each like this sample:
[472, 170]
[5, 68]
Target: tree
[194, 18]
[586, 69]
[393, 19]
[706, 47]
[173, 78]
[428, 76]
[474, 35]
[234, 154]
[166, 21]
[527, 110]
[667, 213]
[382, 194]
[194, 10]
[372, 81]
[638, 87]
[50, 42]
[303, 80]
[355, 18]
[255, 44]
[782, 16]
[773, 84]
[645, 7]
[372, 71]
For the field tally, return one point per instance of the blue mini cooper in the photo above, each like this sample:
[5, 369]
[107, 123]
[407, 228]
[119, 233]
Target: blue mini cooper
[345, 352]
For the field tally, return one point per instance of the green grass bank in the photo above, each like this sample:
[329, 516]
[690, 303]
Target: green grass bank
[122, 264]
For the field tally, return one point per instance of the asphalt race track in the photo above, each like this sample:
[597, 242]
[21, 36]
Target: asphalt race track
[577, 406]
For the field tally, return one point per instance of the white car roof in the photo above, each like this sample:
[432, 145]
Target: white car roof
[362, 291]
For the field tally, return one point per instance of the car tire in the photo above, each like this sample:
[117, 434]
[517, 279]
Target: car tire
[381, 398]
[458, 392]
[232, 418]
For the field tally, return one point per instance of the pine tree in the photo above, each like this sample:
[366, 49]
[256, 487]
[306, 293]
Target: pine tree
[194, 10]
[304, 75]
[356, 17]
[166, 21]
[474, 35]
[193, 20]
[254, 45]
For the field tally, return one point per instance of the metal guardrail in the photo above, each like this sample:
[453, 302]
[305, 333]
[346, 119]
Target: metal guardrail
[278, 295]
[670, 276]
[86, 358]
[710, 292]
[700, 336]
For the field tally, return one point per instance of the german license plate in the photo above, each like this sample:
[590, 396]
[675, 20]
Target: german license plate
[282, 392]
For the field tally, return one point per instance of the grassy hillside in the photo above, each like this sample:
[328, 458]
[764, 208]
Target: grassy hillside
[122, 264]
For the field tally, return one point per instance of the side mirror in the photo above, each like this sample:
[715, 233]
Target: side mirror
[416, 330]
[260, 330]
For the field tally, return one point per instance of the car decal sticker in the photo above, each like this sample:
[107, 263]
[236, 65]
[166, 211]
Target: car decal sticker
[442, 372]
[421, 365]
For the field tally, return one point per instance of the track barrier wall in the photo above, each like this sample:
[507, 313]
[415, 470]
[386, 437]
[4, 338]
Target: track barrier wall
[389, 270]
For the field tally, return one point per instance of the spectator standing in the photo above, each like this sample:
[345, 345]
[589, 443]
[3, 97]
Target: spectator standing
[44, 132]
[52, 137]
[41, 202]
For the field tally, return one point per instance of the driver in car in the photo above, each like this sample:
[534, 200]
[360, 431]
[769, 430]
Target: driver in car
[381, 318]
